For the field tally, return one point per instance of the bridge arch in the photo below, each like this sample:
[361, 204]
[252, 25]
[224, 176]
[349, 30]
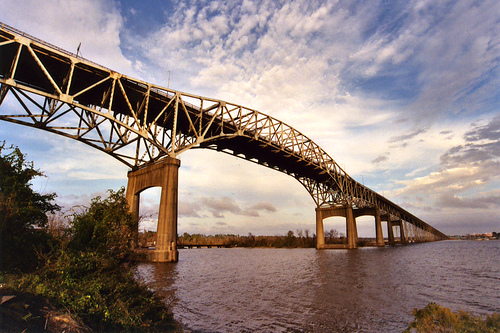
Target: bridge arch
[142, 124]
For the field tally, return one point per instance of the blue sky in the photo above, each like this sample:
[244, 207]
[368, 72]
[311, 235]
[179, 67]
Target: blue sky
[405, 95]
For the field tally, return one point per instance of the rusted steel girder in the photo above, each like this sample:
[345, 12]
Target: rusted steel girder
[139, 123]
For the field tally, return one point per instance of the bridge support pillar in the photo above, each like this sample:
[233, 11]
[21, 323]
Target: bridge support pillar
[163, 174]
[375, 212]
[320, 229]
[352, 232]
[402, 236]
[404, 240]
[390, 230]
[378, 229]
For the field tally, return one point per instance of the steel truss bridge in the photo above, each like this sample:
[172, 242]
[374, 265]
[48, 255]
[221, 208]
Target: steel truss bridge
[140, 123]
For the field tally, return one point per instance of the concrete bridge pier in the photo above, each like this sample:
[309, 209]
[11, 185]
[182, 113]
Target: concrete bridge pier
[390, 230]
[352, 231]
[375, 212]
[404, 240]
[162, 174]
[402, 236]
[378, 229]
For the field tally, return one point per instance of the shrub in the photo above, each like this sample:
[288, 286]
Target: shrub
[99, 292]
[23, 213]
[106, 227]
[88, 273]
[435, 318]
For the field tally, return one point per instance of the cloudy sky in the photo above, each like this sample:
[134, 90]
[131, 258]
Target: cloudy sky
[404, 95]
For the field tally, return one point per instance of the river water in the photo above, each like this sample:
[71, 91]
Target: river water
[305, 290]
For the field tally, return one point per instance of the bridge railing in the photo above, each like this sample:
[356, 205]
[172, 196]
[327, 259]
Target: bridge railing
[8, 28]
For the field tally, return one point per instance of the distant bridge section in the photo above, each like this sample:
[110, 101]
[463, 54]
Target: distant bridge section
[142, 124]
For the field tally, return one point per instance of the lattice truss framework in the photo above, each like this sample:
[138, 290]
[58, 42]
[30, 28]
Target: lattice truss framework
[139, 123]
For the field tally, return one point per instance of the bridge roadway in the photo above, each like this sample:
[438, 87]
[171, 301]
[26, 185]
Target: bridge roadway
[146, 127]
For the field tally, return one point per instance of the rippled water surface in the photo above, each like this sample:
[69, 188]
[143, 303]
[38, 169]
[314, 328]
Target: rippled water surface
[305, 290]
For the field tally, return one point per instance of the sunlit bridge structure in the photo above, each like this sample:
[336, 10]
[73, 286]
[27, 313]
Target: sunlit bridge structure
[146, 127]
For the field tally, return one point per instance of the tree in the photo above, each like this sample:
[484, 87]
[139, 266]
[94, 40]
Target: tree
[23, 212]
[290, 239]
[89, 276]
[332, 234]
[300, 238]
[106, 227]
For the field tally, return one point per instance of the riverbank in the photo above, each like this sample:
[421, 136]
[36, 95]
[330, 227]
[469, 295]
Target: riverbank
[88, 293]
[26, 312]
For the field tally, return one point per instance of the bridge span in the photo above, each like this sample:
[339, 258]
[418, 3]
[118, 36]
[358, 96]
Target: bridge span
[146, 127]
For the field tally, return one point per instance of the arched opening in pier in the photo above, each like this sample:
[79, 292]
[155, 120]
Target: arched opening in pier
[335, 230]
[149, 205]
[366, 230]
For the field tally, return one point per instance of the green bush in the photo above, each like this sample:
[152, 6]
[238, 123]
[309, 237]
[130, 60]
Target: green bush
[23, 214]
[106, 227]
[100, 292]
[435, 318]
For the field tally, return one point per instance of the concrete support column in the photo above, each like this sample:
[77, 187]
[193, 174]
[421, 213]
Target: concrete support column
[320, 230]
[378, 229]
[390, 230]
[163, 174]
[352, 232]
[402, 233]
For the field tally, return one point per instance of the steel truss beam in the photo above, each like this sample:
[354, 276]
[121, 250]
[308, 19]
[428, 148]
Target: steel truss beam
[139, 123]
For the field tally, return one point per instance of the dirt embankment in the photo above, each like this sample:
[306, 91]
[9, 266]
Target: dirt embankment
[25, 312]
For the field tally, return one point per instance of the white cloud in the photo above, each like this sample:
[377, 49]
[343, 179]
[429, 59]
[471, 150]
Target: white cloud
[93, 23]
[467, 178]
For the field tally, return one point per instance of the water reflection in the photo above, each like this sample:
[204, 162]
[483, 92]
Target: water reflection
[358, 289]
[159, 278]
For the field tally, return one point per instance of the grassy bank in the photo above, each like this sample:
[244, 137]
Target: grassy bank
[87, 291]
[435, 318]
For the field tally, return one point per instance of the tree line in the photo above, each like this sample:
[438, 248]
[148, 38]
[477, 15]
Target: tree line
[298, 239]
[290, 240]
